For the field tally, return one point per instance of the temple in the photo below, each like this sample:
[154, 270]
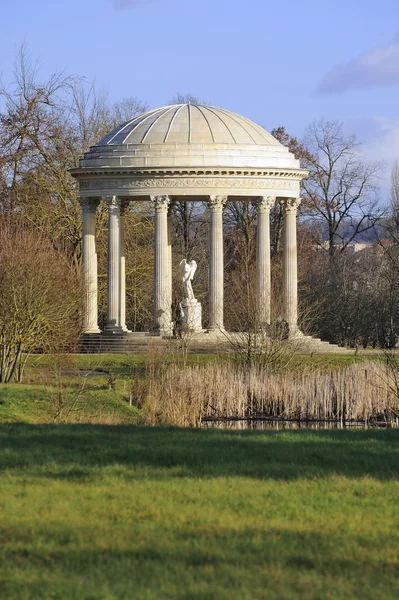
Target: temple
[187, 152]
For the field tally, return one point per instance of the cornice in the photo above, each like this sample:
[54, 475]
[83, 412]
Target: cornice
[94, 173]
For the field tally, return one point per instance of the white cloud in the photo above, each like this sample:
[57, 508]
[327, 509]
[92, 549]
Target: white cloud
[383, 144]
[379, 66]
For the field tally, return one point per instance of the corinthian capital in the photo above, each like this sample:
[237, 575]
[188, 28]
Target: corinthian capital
[161, 203]
[113, 202]
[216, 203]
[89, 204]
[264, 203]
[290, 205]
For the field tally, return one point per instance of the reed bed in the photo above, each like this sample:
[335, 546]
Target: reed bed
[184, 395]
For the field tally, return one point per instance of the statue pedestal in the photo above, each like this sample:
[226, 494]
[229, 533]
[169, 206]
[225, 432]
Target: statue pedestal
[192, 315]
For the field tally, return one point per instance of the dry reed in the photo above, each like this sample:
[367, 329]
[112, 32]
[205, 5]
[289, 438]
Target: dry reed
[184, 395]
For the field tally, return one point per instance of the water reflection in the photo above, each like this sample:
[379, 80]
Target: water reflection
[278, 424]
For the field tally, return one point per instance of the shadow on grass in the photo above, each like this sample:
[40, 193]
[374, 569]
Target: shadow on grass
[249, 550]
[244, 567]
[73, 451]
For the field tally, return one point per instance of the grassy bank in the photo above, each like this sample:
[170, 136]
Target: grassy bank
[161, 388]
[96, 403]
[126, 512]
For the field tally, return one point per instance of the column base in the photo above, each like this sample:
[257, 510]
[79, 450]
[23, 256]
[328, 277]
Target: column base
[92, 330]
[113, 329]
[156, 332]
[296, 333]
[216, 330]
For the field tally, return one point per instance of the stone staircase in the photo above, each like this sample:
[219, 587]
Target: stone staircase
[311, 345]
[139, 342]
[102, 343]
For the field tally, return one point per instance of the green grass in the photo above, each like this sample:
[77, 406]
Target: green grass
[124, 363]
[35, 401]
[109, 512]
[86, 388]
[96, 512]
[119, 363]
[37, 404]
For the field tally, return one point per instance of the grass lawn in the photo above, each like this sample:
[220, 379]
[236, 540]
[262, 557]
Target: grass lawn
[112, 512]
[86, 385]
[123, 364]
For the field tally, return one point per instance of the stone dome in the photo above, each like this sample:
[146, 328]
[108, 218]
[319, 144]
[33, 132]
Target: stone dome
[189, 150]
[189, 135]
[189, 124]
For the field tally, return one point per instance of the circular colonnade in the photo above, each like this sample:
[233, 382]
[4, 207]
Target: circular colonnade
[187, 152]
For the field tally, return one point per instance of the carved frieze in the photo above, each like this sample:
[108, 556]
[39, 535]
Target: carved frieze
[130, 183]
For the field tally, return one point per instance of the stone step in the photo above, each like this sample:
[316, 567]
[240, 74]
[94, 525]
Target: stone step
[131, 343]
[316, 345]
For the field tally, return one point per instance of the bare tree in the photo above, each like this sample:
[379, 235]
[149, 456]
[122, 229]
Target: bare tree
[276, 214]
[184, 99]
[139, 243]
[45, 126]
[93, 115]
[187, 223]
[39, 300]
[28, 108]
[393, 221]
[341, 190]
[388, 292]
[240, 236]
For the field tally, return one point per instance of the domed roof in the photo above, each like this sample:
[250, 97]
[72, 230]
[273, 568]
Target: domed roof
[189, 124]
[188, 138]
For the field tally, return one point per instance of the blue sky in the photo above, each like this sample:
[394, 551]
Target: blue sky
[278, 63]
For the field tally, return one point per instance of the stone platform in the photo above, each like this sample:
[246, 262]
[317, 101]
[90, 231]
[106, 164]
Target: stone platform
[311, 345]
[140, 342]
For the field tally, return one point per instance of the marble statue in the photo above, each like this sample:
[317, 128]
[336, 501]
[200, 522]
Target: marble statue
[190, 308]
[187, 271]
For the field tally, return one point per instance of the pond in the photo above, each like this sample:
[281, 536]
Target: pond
[279, 424]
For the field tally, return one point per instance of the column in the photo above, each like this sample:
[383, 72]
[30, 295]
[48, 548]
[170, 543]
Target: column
[89, 265]
[114, 265]
[216, 270]
[162, 269]
[124, 205]
[290, 275]
[263, 277]
[170, 275]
